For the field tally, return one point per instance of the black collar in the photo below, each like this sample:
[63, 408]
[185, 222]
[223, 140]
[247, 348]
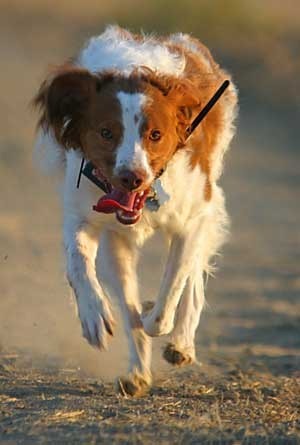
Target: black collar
[87, 169]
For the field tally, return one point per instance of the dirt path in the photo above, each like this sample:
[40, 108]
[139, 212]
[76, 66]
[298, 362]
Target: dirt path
[246, 407]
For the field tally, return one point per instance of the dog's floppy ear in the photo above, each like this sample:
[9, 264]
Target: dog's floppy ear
[63, 99]
[184, 94]
[186, 97]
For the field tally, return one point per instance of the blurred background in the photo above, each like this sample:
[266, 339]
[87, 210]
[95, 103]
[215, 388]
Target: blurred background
[254, 304]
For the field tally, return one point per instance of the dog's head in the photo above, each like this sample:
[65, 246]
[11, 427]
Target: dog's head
[128, 127]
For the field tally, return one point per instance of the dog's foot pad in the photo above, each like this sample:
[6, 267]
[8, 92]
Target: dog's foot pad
[175, 357]
[133, 386]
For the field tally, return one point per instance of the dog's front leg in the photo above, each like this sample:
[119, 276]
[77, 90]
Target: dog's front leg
[120, 255]
[183, 252]
[81, 246]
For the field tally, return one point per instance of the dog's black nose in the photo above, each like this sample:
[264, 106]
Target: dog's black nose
[131, 180]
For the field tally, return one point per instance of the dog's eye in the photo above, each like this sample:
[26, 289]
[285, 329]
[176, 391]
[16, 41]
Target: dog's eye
[155, 135]
[106, 133]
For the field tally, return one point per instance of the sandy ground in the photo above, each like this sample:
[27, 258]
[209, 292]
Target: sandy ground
[55, 389]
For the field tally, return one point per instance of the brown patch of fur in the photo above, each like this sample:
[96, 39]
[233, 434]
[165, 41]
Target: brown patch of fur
[104, 112]
[203, 142]
[63, 97]
[167, 110]
[76, 105]
[159, 114]
[206, 77]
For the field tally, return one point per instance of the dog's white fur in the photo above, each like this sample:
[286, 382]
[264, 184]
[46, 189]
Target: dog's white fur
[195, 228]
[130, 154]
[111, 50]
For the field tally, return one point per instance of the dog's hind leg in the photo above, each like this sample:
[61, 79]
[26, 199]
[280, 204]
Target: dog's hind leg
[180, 350]
[120, 256]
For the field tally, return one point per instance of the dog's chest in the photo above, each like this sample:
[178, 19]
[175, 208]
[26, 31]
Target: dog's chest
[178, 196]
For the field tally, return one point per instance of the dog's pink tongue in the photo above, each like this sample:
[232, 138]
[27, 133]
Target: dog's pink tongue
[117, 199]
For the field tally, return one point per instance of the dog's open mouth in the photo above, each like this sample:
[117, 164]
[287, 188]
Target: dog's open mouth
[126, 205]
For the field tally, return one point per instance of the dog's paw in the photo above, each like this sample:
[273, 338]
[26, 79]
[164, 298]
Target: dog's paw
[175, 357]
[155, 325]
[97, 321]
[133, 385]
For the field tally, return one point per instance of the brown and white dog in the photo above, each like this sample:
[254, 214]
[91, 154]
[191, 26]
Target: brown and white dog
[124, 104]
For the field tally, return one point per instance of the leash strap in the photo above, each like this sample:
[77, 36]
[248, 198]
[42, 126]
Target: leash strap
[80, 173]
[207, 108]
[88, 172]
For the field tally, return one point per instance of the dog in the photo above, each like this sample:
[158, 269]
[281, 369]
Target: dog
[124, 105]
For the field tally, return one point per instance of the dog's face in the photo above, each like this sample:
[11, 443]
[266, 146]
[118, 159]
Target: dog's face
[128, 127]
[132, 124]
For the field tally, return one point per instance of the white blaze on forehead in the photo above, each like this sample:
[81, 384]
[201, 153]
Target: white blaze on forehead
[130, 154]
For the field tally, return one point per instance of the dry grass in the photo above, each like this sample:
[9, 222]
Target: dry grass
[239, 407]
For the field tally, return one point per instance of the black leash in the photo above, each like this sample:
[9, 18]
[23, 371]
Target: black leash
[80, 173]
[206, 109]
